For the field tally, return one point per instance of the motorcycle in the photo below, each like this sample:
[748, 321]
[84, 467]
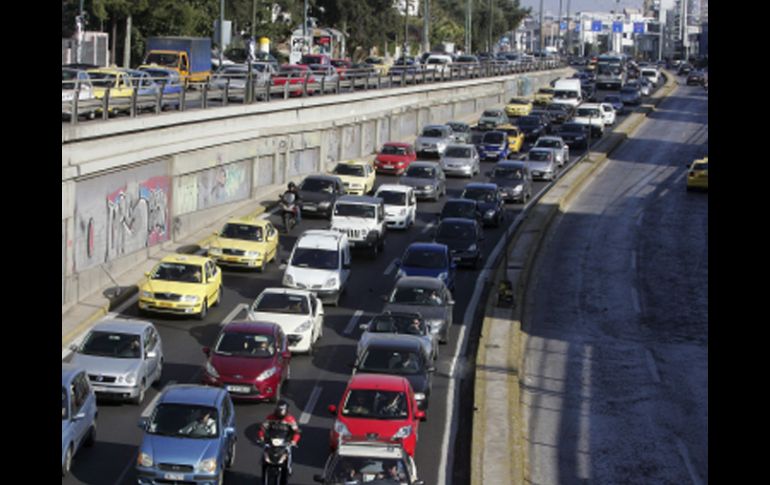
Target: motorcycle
[276, 456]
[289, 217]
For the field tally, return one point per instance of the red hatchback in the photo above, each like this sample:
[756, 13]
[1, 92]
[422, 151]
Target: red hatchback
[294, 76]
[249, 359]
[394, 158]
[377, 407]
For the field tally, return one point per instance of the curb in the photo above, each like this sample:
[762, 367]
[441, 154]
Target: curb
[535, 224]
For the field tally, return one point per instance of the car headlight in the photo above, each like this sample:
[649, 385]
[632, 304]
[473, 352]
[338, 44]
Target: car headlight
[211, 370]
[403, 433]
[267, 374]
[490, 213]
[428, 187]
[251, 254]
[331, 282]
[517, 189]
[341, 429]
[129, 379]
[146, 294]
[419, 396]
[472, 247]
[288, 280]
[144, 460]
[190, 299]
[443, 276]
[215, 251]
[208, 466]
[325, 204]
[304, 327]
[434, 325]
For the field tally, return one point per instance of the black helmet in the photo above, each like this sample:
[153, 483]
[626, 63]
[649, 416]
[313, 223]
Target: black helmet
[282, 408]
[292, 185]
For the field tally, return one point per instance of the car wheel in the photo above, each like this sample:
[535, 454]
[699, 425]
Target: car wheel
[91, 439]
[219, 296]
[140, 397]
[231, 457]
[204, 311]
[160, 373]
[65, 468]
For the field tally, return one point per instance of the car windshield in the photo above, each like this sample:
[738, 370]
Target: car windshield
[425, 258]
[494, 137]
[282, 303]
[169, 60]
[548, 143]
[240, 344]
[556, 107]
[545, 91]
[557, 94]
[103, 79]
[157, 73]
[700, 166]
[589, 112]
[572, 127]
[355, 210]
[420, 172]
[480, 195]
[64, 407]
[404, 324]
[432, 133]
[389, 361]
[315, 258]
[539, 156]
[392, 198]
[184, 421]
[365, 403]
[612, 99]
[112, 344]
[456, 230]
[491, 114]
[455, 209]
[183, 273]
[457, 152]
[459, 127]
[518, 101]
[393, 150]
[317, 185]
[416, 296]
[244, 232]
[347, 169]
[509, 173]
[628, 91]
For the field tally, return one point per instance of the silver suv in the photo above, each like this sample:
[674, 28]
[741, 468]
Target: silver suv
[434, 140]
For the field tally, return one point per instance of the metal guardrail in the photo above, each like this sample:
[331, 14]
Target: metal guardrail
[253, 89]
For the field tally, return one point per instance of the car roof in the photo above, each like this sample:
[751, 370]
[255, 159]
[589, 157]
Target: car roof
[550, 137]
[320, 239]
[285, 291]
[383, 382]
[419, 282]
[510, 164]
[191, 394]
[252, 327]
[589, 105]
[250, 221]
[461, 145]
[423, 163]
[395, 188]
[360, 199]
[431, 246]
[354, 162]
[443, 127]
[458, 220]
[394, 341]
[322, 177]
[185, 258]
[480, 185]
[460, 201]
[397, 144]
[134, 327]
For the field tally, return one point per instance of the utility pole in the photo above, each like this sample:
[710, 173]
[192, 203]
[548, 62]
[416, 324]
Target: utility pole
[558, 23]
[425, 27]
[127, 44]
[542, 32]
[468, 25]
[569, 36]
[221, 32]
[489, 31]
[254, 18]
[406, 32]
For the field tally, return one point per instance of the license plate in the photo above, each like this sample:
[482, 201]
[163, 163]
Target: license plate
[536, 174]
[173, 476]
[239, 389]
[388, 166]
[165, 305]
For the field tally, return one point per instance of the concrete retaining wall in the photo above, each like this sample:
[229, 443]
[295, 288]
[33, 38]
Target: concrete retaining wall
[132, 186]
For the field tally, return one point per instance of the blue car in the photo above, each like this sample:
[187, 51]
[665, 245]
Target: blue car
[169, 80]
[78, 413]
[494, 146]
[189, 437]
[429, 259]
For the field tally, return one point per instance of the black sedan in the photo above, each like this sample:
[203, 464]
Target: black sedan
[463, 238]
[462, 208]
[560, 113]
[533, 127]
[696, 78]
[574, 134]
[488, 200]
[318, 193]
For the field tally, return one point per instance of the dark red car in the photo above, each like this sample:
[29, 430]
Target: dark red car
[377, 407]
[394, 158]
[342, 65]
[294, 75]
[249, 359]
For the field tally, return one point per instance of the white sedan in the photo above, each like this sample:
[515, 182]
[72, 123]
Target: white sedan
[298, 312]
[608, 113]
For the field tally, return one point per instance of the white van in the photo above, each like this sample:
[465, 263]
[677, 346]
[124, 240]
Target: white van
[567, 91]
[438, 62]
[400, 205]
[652, 74]
[319, 262]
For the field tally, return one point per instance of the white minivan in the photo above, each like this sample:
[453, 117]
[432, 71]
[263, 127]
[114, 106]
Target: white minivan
[567, 91]
[400, 205]
[319, 262]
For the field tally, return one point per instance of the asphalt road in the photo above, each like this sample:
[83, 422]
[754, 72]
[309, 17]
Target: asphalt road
[113, 457]
[616, 365]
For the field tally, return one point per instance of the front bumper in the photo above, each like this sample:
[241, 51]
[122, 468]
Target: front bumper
[396, 221]
[459, 170]
[171, 307]
[111, 391]
[243, 390]
[240, 261]
[491, 155]
[390, 168]
[509, 194]
[315, 208]
[424, 193]
[355, 190]
[154, 476]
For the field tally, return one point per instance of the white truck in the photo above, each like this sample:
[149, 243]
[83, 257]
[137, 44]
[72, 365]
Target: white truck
[567, 91]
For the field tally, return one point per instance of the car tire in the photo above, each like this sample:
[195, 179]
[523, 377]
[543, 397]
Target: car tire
[67, 465]
[204, 310]
[219, 295]
[91, 438]
[140, 397]
[231, 457]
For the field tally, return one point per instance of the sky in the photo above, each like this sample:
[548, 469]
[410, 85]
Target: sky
[552, 6]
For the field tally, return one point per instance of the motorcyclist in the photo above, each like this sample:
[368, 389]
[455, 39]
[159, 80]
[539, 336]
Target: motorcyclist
[281, 415]
[290, 201]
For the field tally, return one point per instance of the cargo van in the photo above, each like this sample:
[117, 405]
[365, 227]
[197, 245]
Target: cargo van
[319, 262]
[567, 91]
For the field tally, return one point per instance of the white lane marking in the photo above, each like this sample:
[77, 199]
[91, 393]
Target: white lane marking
[308, 412]
[391, 267]
[236, 311]
[635, 300]
[651, 366]
[686, 457]
[450, 423]
[148, 409]
[428, 227]
[353, 320]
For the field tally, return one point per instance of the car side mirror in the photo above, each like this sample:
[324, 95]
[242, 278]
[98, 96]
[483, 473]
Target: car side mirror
[229, 431]
[143, 423]
[450, 302]
[207, 351]
[420, 414]
[431, 369]
[73, 347]
[79, 416]
[286, 354]
[332, 409]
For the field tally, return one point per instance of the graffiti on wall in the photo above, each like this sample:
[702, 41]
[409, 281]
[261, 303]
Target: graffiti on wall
[219, 185]
[119, 214]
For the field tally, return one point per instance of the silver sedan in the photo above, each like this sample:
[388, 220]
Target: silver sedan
[461, 160]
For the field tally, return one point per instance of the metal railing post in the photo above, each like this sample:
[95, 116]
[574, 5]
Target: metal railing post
[74, 108]
[182, 97]
[132, 106]
[205, 103]
[106, 104]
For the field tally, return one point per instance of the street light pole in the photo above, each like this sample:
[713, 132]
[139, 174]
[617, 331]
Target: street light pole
[221, 32]
[468, 25]
[542, 32]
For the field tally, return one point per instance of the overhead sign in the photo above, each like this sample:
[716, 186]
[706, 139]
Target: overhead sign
[617, 27]
[577, 27]
[596, 25]
[638, 27]
[562, 25]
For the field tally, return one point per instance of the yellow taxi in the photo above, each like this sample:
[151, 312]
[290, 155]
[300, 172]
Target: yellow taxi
[698, 175]
[117, 82]
[181, 284]
[518, 107]
[379, 64]
[544, 95]
[357, 176]
[515, 137]
[245, 242]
